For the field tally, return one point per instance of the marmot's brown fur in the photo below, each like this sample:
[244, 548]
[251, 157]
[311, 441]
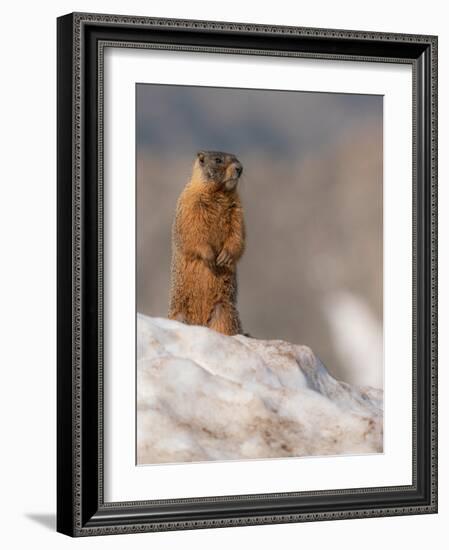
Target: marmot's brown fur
[207, 241]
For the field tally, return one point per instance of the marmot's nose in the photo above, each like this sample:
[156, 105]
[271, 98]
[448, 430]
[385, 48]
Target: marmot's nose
[238, 169]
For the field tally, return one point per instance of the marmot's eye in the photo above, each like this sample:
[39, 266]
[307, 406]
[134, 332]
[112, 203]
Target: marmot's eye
[201, 160]
[219, 160]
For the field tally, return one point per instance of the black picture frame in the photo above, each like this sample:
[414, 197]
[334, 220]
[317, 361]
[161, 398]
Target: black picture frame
[81, 509]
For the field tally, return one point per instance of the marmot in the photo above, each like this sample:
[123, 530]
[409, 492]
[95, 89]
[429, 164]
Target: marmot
[208, 239]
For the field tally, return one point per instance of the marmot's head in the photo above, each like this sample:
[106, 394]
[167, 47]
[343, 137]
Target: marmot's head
[216, 168]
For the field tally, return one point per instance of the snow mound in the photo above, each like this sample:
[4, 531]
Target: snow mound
[205, 396]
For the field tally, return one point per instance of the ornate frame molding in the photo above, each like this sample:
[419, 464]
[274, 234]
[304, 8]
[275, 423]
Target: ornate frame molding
[81, 509]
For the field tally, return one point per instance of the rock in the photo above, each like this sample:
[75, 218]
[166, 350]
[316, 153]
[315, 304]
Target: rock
[205, 396]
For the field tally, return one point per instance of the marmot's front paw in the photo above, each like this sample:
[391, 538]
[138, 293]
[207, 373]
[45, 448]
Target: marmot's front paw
[211, 265]
[224, 259]
[208, 256]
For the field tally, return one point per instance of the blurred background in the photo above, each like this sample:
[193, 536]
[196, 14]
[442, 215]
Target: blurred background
[312, 196]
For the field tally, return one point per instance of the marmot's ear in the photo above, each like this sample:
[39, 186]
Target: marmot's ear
[201, 156]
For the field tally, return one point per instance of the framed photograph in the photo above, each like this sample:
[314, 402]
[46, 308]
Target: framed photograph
[247, 278]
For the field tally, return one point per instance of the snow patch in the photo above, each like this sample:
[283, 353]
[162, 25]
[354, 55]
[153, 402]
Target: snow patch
[205, 396]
